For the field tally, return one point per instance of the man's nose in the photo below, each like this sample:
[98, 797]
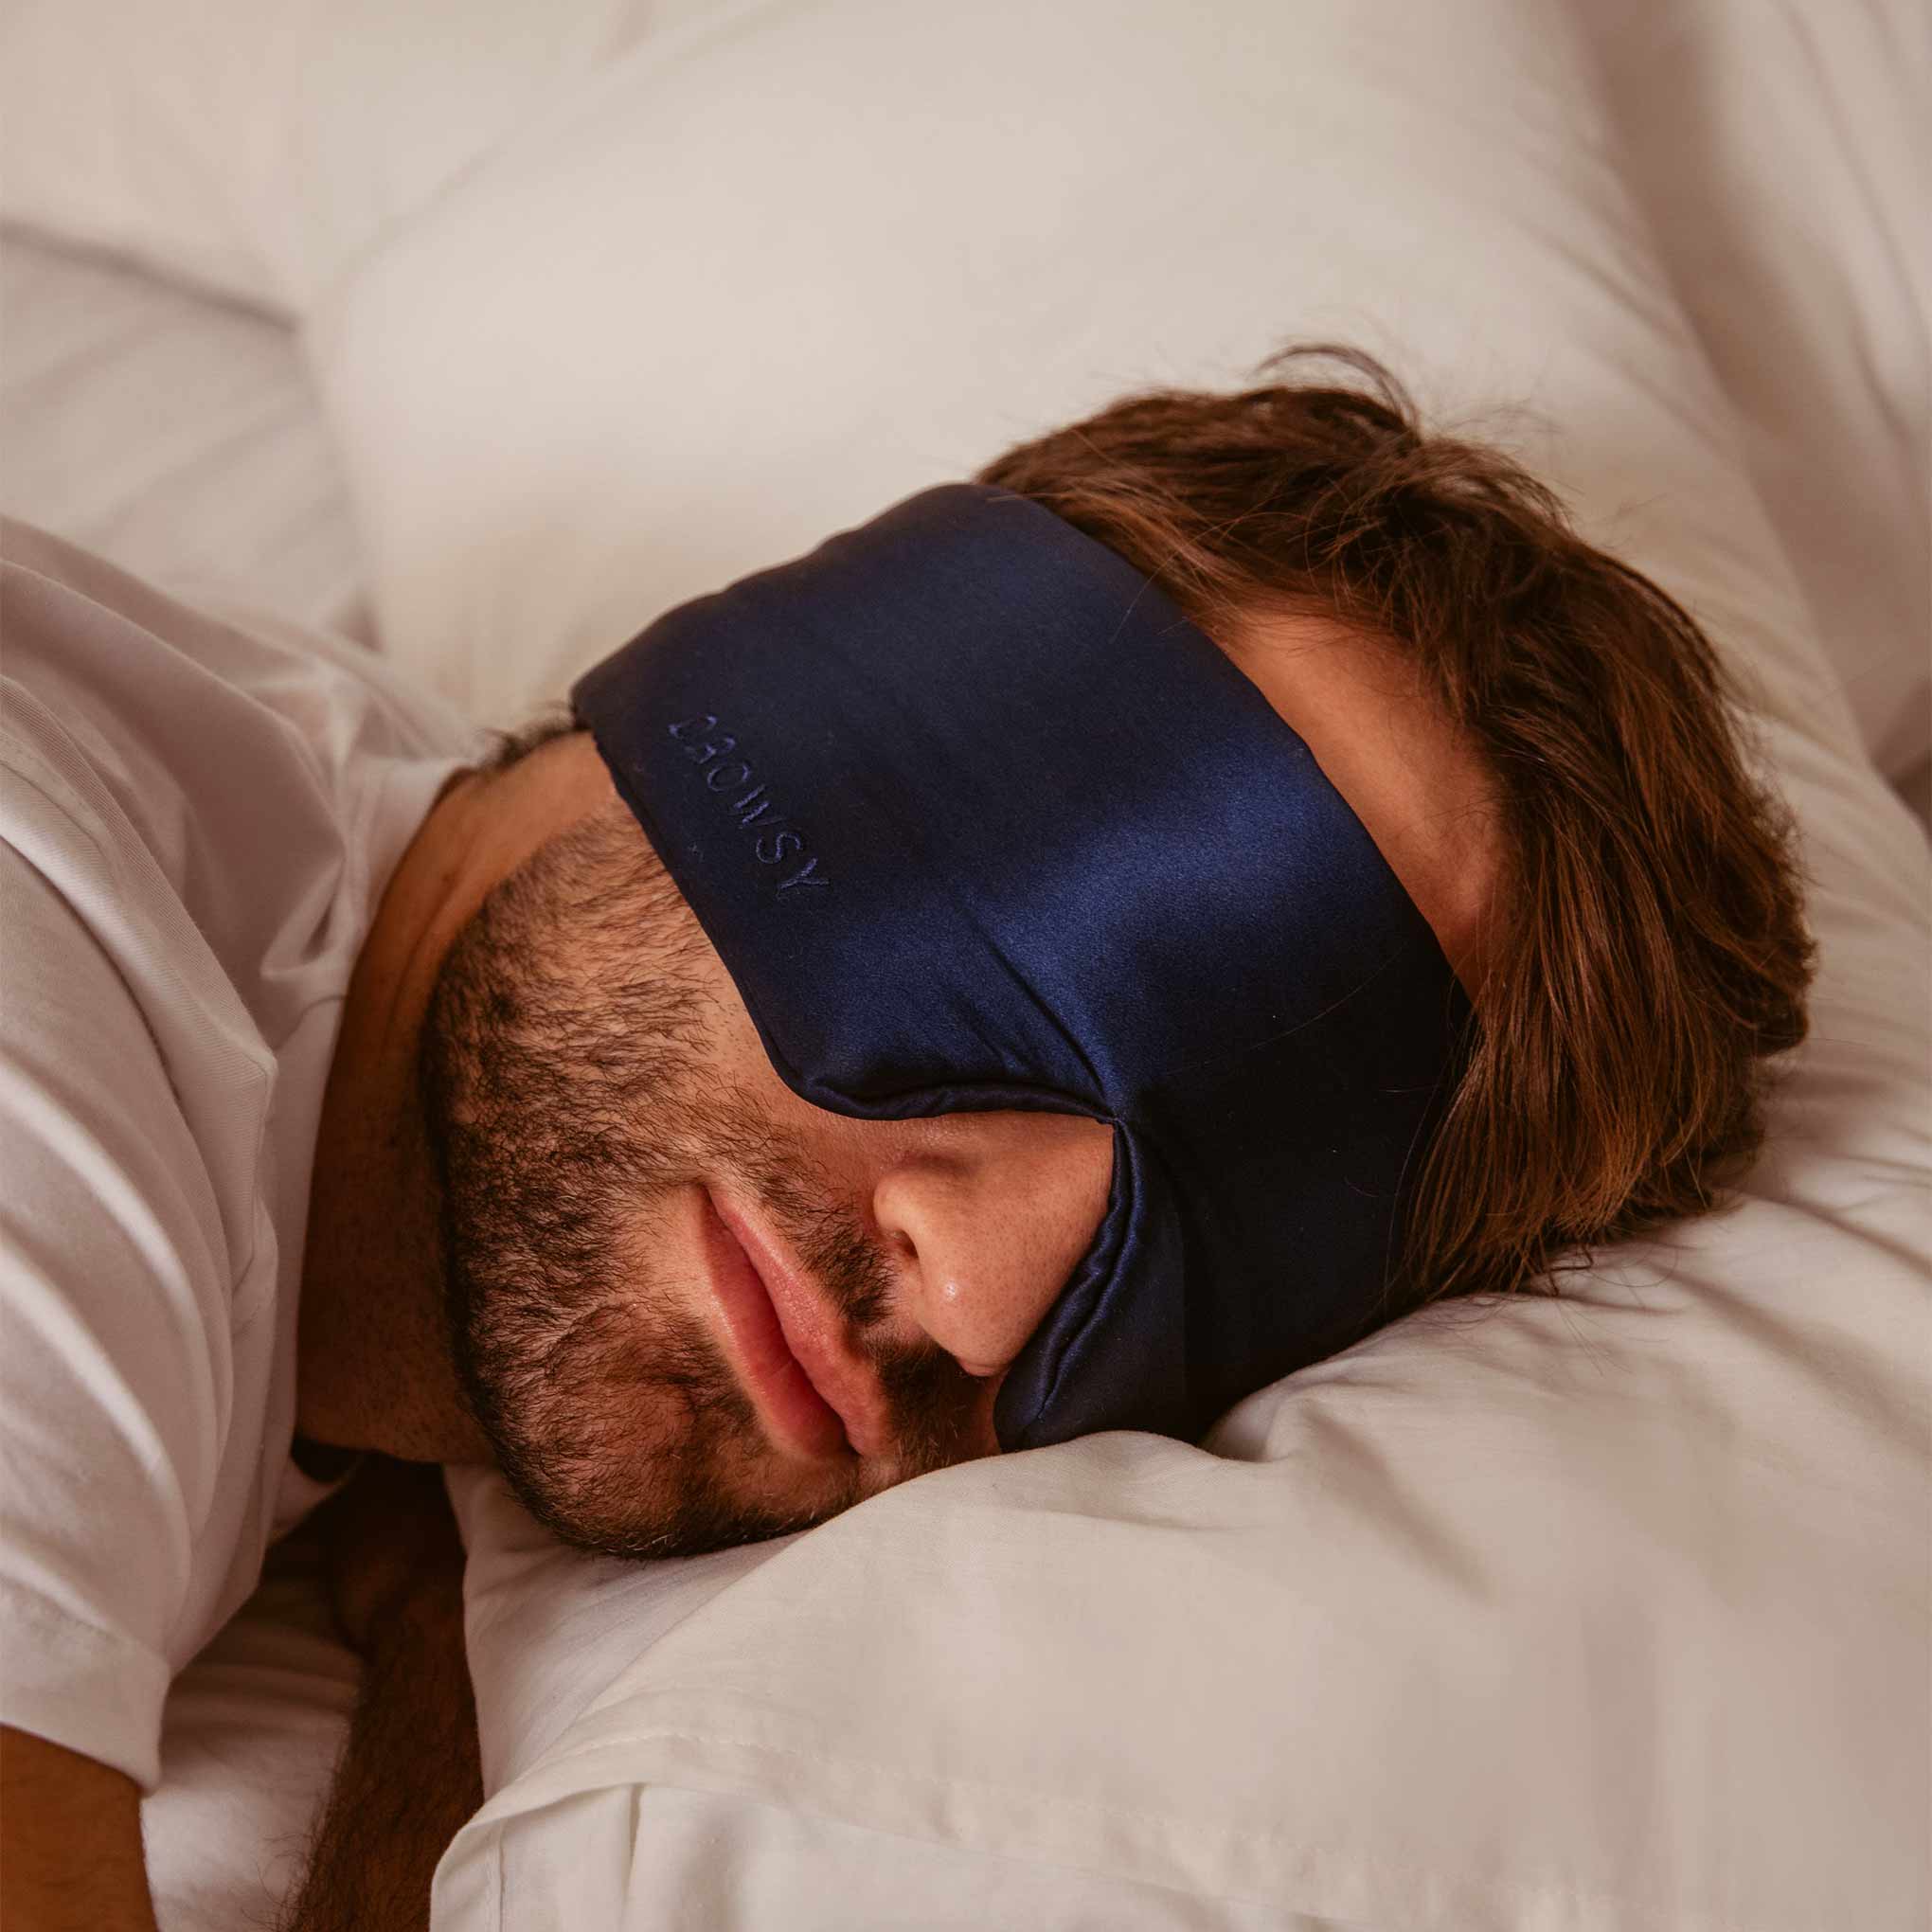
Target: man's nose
[986, 1215]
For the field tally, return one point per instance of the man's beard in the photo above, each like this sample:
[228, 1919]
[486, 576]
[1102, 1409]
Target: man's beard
[566, 1102]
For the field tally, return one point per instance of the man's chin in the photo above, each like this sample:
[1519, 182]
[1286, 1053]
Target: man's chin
[687, 1529]
[673, 1504]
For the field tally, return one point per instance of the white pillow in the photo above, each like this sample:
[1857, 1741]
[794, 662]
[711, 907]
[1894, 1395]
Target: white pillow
[1783, 171]
[255, 147]
[756, 286]
[1595, 1613]
[177, 437]
[259, 151]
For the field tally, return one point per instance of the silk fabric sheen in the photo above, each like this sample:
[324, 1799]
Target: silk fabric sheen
[976, 819]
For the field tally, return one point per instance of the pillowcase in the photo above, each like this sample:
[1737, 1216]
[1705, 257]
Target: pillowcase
[1782, 171]
[176, 436]
[1576, 1614]
[753, 288]
[259, 152]
[255, 147]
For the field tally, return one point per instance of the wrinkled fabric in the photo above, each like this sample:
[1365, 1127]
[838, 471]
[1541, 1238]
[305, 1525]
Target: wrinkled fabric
[975, 818]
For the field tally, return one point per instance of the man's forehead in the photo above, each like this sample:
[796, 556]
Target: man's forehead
[1383, 741]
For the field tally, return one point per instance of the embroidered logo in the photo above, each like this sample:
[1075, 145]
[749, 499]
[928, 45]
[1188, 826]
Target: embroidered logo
[775, 840]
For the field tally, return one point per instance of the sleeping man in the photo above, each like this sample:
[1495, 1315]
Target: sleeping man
[1058, 957]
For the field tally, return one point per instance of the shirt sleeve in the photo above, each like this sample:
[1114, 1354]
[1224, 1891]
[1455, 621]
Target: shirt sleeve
[115, 1291]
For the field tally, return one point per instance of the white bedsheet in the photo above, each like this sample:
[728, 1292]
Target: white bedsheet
[248, 1741]
[174, 433]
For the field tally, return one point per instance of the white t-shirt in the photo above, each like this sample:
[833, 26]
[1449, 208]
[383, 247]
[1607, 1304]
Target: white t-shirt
[197, 818]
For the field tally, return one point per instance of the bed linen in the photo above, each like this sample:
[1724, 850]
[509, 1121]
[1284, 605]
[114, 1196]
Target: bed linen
[255, 148]
[175, 434]
[850, 256]
[249, 1739]
[1779, 154]
[550, 1631]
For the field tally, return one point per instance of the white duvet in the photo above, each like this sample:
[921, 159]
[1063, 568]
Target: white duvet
[1604, 1612]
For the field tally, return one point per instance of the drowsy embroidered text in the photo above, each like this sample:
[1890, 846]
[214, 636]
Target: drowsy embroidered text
[775, 840]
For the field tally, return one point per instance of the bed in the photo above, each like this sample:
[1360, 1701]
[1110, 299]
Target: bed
[481, 342]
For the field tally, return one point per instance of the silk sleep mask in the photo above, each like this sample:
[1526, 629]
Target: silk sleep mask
[975, 818]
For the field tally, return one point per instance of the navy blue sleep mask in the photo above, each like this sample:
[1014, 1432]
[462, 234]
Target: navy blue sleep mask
[975, 818]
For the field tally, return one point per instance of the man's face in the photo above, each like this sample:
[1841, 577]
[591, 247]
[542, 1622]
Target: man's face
[657, 1254]
[617, 1153]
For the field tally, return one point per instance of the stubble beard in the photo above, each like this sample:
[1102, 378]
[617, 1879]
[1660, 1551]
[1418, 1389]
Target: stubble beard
[568, 1107]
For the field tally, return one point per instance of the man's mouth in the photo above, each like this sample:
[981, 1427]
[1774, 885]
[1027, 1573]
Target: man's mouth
[813, 1394]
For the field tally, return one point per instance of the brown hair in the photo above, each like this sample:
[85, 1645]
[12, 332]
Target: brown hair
[1649, 946]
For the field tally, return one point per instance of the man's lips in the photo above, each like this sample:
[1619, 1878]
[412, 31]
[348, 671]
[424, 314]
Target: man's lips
[821, 1397]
